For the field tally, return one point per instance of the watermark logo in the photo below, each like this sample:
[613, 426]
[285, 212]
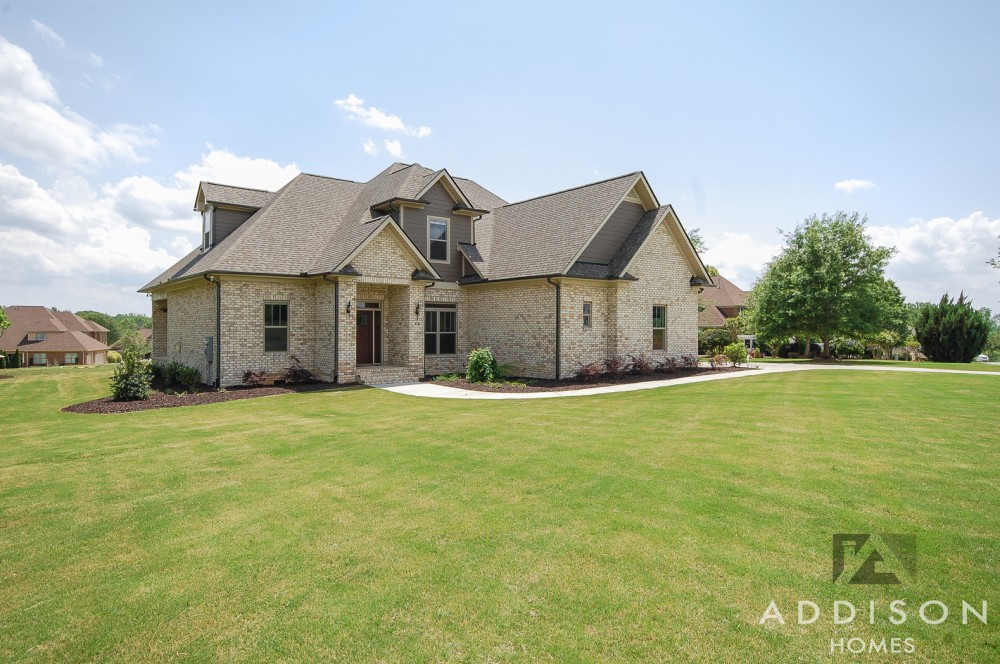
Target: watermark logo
[874, 558]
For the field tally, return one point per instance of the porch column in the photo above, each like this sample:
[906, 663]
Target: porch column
[348, 332]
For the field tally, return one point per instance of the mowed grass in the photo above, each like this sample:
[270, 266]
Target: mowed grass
[955, 366]
[359, 525]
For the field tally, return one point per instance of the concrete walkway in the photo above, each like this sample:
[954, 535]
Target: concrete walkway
[445, 392]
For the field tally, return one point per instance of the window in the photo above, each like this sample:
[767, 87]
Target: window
[40, 336]
[38, 359]
[275, 327]
[206, 217]
[437, 239]
[70, 358]
[659, 327]
[588, 308]
[439, 331]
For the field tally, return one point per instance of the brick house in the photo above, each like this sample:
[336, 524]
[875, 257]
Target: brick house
[727, 300]
[53, 338]
[401, 276]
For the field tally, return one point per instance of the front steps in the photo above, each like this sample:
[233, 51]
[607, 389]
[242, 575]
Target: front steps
[385, 375]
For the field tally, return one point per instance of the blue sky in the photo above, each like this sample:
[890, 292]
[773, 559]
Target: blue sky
[745, 118]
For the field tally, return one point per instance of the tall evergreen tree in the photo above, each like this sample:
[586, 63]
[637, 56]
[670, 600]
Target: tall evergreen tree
[952, 331]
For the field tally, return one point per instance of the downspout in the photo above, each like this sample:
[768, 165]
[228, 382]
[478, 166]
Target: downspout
[218, 329]
[336, 327]
[558, 321]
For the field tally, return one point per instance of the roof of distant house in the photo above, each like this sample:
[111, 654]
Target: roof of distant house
[64, 331]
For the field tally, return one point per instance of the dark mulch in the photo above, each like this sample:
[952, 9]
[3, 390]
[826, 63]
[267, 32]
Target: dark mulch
[545, 385]
[160, 399]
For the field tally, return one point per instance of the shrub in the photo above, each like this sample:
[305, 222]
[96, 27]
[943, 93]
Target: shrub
[114, 357]
[616, 365]
[714, 339]
[736, 352]
[952, 331]
[589, 372]
[297, 373]
[482, 367]
[718, 360]
[689, 361]
[254, 378]
[132, 379]
[666, 365]
[640, 365]
[175, 375]
[504, 370]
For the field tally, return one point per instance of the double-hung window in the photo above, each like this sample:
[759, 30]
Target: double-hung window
[438, 230]
[39, 359]
[275, 327]
[40, 336]
[440, 331]
[659, 327]
[70, 358]
[207, 218]
[588, 310]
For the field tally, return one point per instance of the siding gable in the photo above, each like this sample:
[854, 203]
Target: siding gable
[441, 205]
[613, 233]
[225, 221]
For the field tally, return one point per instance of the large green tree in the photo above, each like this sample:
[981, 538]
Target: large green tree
[828, 281]
[4, 323]
[952, 331]
[114, 330]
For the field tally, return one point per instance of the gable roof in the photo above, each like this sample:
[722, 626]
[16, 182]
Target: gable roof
[64, 330]
[314, 225]
[726, 295]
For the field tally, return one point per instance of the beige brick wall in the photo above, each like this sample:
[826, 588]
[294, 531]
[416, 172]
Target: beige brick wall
[160, 350]
[190, 320]
[243, 326]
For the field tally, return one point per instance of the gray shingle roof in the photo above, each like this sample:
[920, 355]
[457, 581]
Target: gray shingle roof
[540, 236]
[313, 225]
[240, 196]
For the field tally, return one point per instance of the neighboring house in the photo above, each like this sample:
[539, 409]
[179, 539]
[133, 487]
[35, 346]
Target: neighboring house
[726, 301]
[401, 276]
[53, 338]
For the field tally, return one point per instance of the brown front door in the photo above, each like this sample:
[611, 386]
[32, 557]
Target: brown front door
[369, 350]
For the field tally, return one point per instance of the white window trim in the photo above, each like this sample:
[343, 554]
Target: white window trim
[41, 336]
[208, 220]
[447, 244]
[588, 318]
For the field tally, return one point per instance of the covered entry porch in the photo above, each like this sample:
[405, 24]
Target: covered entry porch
[388, 332]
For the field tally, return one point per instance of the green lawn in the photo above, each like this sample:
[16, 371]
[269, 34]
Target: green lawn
[359, 525]
[968, 366]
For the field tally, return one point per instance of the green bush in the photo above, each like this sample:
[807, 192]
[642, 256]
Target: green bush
[712, 340]
[504, 370]
[132, 379]
[175, 375]
[952, 331]
[114, 357]
[736, 352]
[482, 366]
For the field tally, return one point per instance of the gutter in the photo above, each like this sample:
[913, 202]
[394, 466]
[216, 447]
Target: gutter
[336, 328]
[218, 328]
[558, 320]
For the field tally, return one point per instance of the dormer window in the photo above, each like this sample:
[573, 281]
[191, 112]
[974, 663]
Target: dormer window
[438, 230]
[207, 217]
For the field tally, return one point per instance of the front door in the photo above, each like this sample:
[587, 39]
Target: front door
[369, 350]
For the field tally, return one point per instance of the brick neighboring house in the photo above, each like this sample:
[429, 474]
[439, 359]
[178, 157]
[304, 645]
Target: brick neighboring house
[53, 338]
[401, 276]
[726, 301]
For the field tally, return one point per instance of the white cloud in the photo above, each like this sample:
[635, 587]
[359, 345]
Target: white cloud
[95, 59]
[944, 255]
[49, 34]
[38, 127]
[739, 257]
[369, 147]
[371, 116]
[850, 186]
[227, 168]
[394, 148]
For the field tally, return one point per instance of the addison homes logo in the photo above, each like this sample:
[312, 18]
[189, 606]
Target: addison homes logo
[874, 559]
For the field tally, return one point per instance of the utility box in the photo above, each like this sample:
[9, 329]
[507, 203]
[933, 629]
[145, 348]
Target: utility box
[209, 349]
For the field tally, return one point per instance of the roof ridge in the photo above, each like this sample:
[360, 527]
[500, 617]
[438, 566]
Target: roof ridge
[563, 191]
[330, 177]
[236, 186]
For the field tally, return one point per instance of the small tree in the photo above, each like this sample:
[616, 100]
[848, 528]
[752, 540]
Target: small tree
[952, 331]
[4, 323]
[736, 353]
[132, 378]
[482, 366]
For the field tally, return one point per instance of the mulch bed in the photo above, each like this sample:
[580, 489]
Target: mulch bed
[159, 399]
[542, 385]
